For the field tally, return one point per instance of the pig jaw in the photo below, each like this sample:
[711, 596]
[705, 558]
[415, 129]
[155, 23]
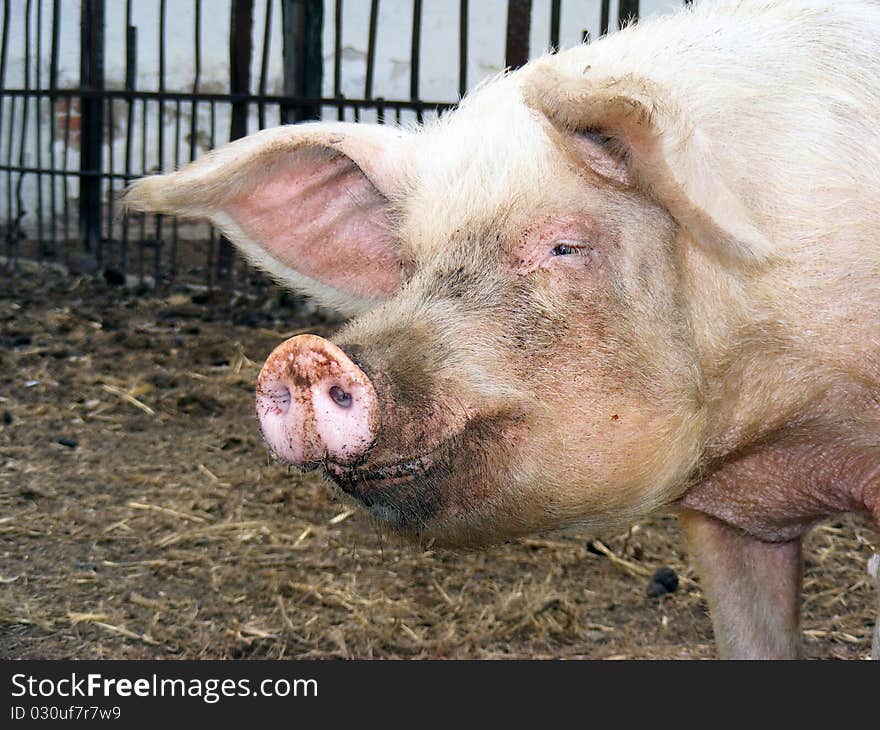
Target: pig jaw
[440, 492]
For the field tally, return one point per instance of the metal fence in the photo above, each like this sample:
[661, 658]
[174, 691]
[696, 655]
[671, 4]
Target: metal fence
[68, 146]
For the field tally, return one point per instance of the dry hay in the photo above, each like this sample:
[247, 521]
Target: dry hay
[167, 532]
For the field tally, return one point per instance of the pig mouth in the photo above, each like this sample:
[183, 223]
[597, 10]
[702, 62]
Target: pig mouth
[400, 494]
[387, 475]
[419, 495]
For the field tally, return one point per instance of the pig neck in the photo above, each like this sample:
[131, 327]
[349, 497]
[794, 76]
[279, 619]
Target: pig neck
[793, 399]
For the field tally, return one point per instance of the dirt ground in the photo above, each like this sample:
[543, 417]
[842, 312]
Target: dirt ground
[140, 517]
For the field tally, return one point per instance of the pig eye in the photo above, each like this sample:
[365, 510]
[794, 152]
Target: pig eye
[571, 248]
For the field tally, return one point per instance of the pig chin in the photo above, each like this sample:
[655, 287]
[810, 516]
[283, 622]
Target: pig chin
[439, 492]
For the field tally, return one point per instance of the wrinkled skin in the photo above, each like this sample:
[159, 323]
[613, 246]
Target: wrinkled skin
[606, 285]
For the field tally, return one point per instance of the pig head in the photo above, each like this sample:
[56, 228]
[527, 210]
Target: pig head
[519, 360]
[620, 279]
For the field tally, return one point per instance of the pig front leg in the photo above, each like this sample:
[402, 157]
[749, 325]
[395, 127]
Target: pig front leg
[874, 572]
[752, 587]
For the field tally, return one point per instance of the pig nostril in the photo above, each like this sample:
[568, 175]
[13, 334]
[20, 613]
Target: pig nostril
[340, 397]
[281, 399]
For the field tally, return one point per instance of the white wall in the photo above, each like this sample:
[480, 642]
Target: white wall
[438, 72]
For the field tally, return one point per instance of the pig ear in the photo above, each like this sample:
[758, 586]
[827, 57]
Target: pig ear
[307, 203]
[649, 143]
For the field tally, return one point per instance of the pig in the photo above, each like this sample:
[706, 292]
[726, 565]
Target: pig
[874, 572]
[634, 276]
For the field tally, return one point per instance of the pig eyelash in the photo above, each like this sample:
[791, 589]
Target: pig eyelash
[597, 136]
[617, 150]
[571, 248]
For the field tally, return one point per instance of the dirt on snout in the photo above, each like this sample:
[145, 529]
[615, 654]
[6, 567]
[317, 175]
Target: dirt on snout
[140, 517]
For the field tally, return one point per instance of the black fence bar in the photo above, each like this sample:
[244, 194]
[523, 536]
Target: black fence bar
[158, 239]
[337, 56]
[130, 81]
[56, 39]
[604, 17]
[38, 79]
[67, 104]
[197, 78]
[371, 49]
[264, 64]
[64, 172]
[91, 123]
[11, 218]
[416, 54]
[175, 222]
[213, 237]
[462, 47]
[519, 24]
[142, 223]
[4, 54]
[240, 51]
[627, 11]
[53, 86]
[109, 199]
[555, 19]
[194, 116]
[302, 23]
[22, 145]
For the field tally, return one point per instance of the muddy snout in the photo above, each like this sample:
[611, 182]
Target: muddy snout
[315, 404]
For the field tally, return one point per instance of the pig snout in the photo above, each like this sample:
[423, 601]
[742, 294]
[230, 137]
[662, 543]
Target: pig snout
[315, 404]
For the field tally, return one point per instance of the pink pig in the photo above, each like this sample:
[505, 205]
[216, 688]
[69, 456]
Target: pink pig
[638, 275]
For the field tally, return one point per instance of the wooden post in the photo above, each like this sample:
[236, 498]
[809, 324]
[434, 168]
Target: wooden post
[302, 24]
[91, 78]
[627, 10]
[519, 23]
[241, 25]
